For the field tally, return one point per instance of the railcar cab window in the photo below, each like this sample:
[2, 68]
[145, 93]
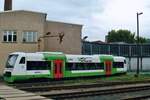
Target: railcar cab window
[118, 64]
[38, 65]
[84, 66]
[11, 61]
[22, 60]
[125, 61]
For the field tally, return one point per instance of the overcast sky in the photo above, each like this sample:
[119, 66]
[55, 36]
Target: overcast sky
[97, 16]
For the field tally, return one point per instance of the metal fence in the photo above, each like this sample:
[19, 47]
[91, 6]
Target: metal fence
[126, 50]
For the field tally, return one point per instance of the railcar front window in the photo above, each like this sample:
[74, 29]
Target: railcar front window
[11, 61]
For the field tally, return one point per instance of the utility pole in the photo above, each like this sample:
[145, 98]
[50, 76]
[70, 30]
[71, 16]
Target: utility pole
[138, 53]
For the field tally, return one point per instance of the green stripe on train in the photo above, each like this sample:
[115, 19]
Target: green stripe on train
[70, 74]
[48, 56]
[106, 58]
[26, 77]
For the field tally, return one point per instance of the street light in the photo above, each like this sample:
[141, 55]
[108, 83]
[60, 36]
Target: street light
[84, 38]
[138, 53]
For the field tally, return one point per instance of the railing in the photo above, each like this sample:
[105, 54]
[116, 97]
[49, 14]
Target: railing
[126, 50]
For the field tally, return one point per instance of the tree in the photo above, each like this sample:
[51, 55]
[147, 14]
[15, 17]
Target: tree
[148, 40]
[123, 36]
[141, 40]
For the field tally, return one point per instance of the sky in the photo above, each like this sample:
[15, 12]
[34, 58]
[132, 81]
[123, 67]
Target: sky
[98, 17]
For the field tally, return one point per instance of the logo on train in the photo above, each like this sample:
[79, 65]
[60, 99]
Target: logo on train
[85, 59]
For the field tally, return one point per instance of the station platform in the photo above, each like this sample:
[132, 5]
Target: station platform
[9, 93]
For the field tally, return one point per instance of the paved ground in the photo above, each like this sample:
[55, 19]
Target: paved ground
[9, 93]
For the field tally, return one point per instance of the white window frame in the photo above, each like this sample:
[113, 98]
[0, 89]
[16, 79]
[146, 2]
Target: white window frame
[7, 33]
[30, 36]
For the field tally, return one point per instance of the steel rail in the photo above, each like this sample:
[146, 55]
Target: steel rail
[138, 97]
[60, 92]
[59, 85]
[83, 92]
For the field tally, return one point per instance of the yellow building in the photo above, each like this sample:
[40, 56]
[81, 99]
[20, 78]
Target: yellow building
[27, 31]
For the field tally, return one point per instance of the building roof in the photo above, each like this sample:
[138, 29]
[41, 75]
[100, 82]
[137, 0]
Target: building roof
[13, 11]
[99, 42]
[27, 11]
[64, 22]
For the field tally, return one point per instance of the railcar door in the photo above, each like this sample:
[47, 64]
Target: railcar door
[108, 67]
[58, 69]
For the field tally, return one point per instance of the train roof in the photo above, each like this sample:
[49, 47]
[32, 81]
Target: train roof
[69, 57]
[50, 52]
[82, 58]
[23, 53]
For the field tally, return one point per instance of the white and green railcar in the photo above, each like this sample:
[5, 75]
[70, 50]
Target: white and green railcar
[56, 65]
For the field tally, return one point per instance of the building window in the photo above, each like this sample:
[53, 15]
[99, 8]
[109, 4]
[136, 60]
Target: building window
[30, 36]
[10, 36]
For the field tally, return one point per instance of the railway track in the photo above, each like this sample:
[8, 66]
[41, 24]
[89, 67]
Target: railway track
[72, 82]
[2, 98]
[144, 97]
[75, 91]
[63, 89]
[92, 91]
[66, 87]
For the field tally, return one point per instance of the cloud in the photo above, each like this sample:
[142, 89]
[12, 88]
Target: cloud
[72, 11]
[121, 14]
[97, 16]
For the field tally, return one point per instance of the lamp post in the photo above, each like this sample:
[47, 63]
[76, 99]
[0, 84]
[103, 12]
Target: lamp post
[138, 53]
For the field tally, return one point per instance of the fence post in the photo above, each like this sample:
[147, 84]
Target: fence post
[119, 50]
[109, 49]
[91, 49]
[130, 57]
[141, 58]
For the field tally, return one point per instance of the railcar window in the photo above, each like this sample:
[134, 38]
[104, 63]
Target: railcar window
[69, 66]
[22, 60]
[125, 62]
[118, 64]
[100, 65]
[84, 66]
[38, 65]
[11, 61]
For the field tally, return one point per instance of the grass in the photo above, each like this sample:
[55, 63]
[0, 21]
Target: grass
[128, 77]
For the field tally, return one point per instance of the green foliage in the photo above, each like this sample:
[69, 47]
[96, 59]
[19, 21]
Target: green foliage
[147, 40]
[141, 40]
[123, 36]
[128, 78]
